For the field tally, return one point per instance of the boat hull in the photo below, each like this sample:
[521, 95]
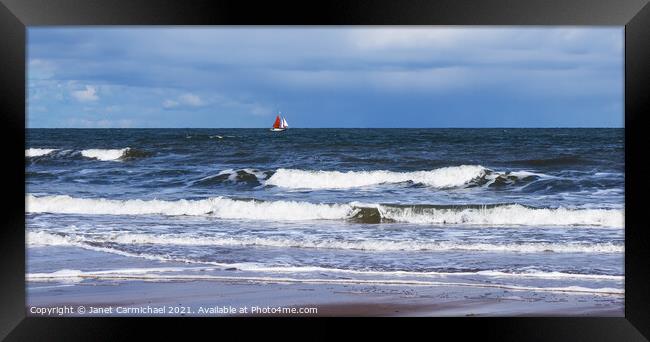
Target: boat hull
[277, 129]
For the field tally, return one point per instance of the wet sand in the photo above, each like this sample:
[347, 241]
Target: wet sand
[232, 298]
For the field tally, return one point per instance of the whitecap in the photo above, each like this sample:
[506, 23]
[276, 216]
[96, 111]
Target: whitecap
[37, 152]
[105, 154]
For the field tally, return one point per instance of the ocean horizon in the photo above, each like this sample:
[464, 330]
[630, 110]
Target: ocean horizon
[295, 128]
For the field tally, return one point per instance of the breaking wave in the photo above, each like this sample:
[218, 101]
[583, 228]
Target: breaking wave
[216, 206]
[104, 155]
[225, 208]
[509, 214]
[247, 176]
[446, 177]
[37, 152]
[98, 154]
[47, 239]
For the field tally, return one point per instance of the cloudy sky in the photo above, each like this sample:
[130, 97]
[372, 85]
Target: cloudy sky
[325, 77]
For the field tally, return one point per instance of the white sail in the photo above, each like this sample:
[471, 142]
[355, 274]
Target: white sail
[284, 123]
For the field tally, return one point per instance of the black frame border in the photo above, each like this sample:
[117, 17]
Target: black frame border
[17, 15]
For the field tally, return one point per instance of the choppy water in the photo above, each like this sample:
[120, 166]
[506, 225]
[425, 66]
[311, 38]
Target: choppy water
[534, 208]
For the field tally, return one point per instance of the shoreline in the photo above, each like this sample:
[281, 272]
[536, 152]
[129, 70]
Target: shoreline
[209, 298]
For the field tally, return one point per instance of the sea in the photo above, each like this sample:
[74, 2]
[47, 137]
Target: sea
[520, 209]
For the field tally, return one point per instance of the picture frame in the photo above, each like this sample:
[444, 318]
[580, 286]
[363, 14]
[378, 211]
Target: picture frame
[17, 15]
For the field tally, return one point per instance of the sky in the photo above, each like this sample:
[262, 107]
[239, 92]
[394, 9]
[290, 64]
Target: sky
[414, 76]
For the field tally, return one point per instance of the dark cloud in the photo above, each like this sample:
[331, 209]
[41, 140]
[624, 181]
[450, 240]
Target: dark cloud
[326, 77]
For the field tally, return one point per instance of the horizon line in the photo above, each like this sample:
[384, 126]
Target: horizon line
[504, 127]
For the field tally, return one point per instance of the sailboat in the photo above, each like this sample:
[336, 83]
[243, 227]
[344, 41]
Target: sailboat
[280, 124]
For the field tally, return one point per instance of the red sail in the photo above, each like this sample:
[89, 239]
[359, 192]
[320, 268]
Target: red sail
[276, 124]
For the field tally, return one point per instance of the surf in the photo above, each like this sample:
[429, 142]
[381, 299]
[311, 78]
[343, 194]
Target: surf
[104, 155]
[37, 152]
[73, 276]
[122, 154]
[442, 178]
[42, 238]
[284, 210]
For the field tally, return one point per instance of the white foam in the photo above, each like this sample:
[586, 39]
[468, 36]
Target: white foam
[46, 239]
[550, 275]
[65, 275]
[104, 155]
[220, 207]
[506, 215]
[37, 152]
[42, 238]
[523, 174]
[217, 206]
[445, 177]
[68, 275]
[430, 274]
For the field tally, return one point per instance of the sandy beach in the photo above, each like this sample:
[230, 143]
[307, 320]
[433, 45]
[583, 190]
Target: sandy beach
[242, 298]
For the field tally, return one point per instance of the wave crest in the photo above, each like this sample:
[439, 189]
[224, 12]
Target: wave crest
[216, 206]
[246, 176]
[41, 238]
[40, 154]
[446, 177]
[37, 152]
[105, 154]
[510, 214]
[225, 208]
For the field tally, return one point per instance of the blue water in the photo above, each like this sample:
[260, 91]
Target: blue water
[538, 208]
